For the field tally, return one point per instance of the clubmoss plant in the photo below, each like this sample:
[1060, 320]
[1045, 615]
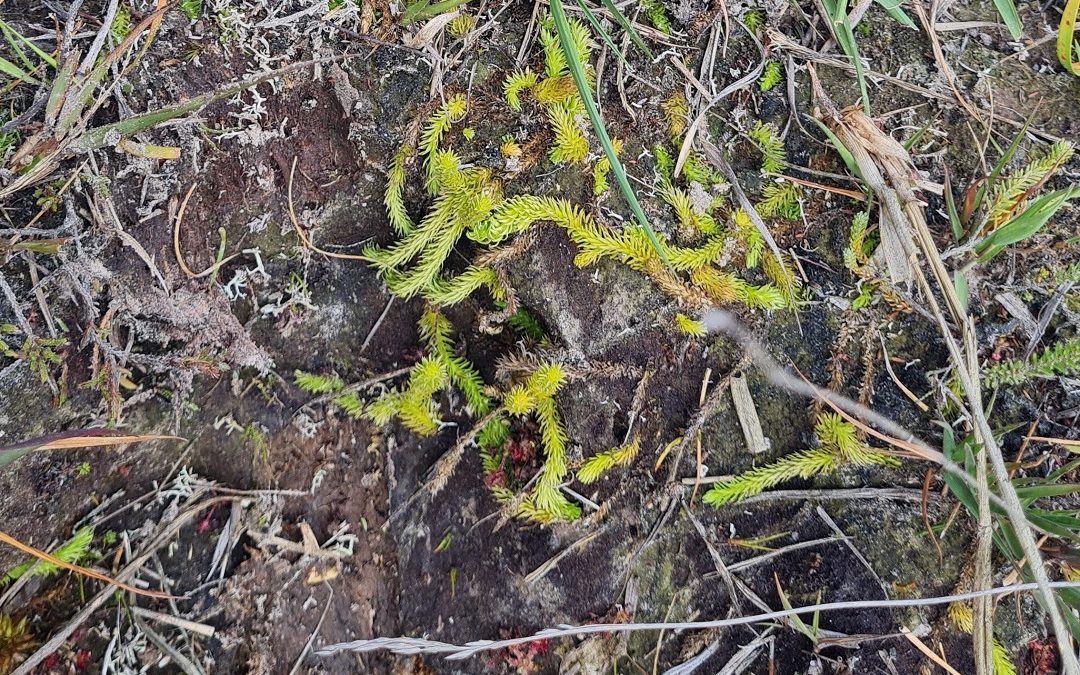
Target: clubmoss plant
[688, 326]
[15, 640]
[536, 397]
[597, 465]
[657, 15]
[771, 76]
[517, 83]
[557, 93]
[675, 111]
[840, 445]
[460, 25]
[1060, 359]
[780, 199]
[415, 403]
[75, 551]
[464, 198]
[1009, 195]
[393, 198]
[773, 156]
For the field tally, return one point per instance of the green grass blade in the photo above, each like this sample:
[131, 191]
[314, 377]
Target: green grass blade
[1039, 491]
[423, 10]
[845, 154]
[11, 70]
[846, 39]
[595, 23]
[43, 55]
[577, 71]
[1008, 13]
[625, 24]
[892, 7]
[950, 207]
[1006, 156]
[9, 37]
[1034, 217]
[60, 86]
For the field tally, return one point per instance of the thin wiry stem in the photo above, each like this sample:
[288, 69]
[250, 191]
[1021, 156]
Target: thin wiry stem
[407, 645]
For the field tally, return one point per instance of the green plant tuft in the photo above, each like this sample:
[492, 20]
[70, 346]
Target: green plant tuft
[765, 137]
[317, 384]
[546, 503]
[1062, 358]
[436, 126]
[393, 197]
[460, 25]
[657, 15]
[517, 82]
[676, 111]
[691, 327]
[571, 146]
[191, 8]
[771, 76]
[780, 199]
[840, 445]
[74, 551]
[1009, 195]
[599, 464]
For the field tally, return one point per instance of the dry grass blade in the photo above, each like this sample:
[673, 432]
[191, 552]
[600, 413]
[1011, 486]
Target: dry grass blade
[68, 440]
[52, 560]
[930, 654]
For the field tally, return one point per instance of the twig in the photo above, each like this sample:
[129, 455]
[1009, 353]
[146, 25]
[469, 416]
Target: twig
[311, 640]
[1045, 315]
[358, 386]
[714, 156]
[717, 398]
[408, 646]
[847, 542]
[747, 79]
[718, 562]
[184, 663]
[549, 564]
[924, 512]
[781, 42]
[746, 411]
[375, 327]
[921, 646]
[203, 629]
[894, 494]
[176, 232]
[765, 557]
[308, 243]
[896, 380]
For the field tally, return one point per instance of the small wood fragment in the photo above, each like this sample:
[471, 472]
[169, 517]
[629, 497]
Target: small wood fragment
[747, 412]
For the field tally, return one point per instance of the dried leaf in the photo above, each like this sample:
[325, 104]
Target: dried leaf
[430, 30]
